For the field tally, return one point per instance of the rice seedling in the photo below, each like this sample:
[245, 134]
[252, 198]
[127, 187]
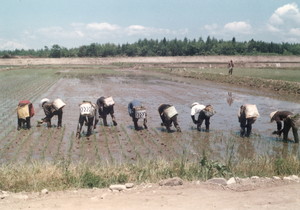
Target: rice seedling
[116, 131]
[97, 153]
[58, 154]
[107, 144]
[46, 143]
[24, 139]
[69, 154]
[141, 139]
[34, 142]
[137, 154]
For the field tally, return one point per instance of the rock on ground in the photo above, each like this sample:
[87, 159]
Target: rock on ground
[171, 182]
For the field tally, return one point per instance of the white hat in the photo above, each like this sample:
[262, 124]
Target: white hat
[43, 101]
[272, 114]
[194, 104]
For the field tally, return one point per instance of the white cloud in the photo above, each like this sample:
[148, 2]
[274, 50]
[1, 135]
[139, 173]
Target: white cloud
[77, 34]
[136, 27]
[295, 31]
[211, 27]
[11, 45]
[288, 12]
[272, 28]
[53, 32]
[285, 22]
[238, 27]
[102, 26]
[139, 30]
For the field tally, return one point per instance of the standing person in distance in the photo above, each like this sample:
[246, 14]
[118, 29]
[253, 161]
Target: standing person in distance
[230, 67]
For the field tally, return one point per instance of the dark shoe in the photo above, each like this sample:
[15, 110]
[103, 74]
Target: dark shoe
[78, 135]
[115, 123]
[169, 130]
[198, 127]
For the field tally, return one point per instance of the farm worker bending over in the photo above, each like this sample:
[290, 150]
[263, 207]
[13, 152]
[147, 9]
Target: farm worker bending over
[247, 115]
[89, 116]
[204, 113]
[137, 111]
[25, 111]
[106, 106]
[290, 120]
[51, 109]
[168, 115]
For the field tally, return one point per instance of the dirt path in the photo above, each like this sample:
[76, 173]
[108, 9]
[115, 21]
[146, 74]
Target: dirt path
[152, 196]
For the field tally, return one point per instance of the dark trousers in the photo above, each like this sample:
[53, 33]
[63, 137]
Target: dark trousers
[168, 123]
[202, 117]
[89, 122]
[107, 111]
[246, 126]
[135, 120]
[23, 122]
[59, 114]
[288, 124]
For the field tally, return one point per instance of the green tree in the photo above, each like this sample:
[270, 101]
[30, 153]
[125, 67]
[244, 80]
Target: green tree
[55, 51]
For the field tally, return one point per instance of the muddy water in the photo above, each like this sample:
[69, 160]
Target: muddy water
[122, 143]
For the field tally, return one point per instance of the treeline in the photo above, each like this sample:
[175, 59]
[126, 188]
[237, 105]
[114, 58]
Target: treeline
[164, 47]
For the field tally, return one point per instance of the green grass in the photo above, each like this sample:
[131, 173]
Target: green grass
[65, 175]
[288, 74]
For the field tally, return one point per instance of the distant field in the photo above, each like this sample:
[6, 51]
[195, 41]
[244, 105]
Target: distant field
[285, 74]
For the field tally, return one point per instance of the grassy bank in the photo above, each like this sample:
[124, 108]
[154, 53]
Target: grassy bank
[280, 86]
[59, 176]
[277, 80]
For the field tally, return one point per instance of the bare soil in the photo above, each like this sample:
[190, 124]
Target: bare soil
[151, 196]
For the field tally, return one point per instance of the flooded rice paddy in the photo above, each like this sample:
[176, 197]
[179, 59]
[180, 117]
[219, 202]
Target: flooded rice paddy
[121, 143]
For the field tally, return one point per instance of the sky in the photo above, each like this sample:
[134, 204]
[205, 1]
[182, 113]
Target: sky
[34, 24]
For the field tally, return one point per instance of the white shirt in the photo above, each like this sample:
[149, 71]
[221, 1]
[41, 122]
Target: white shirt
[196, 109]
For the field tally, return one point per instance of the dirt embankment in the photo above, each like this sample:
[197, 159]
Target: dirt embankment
[242, 61]
[151, 196]
[279, 86]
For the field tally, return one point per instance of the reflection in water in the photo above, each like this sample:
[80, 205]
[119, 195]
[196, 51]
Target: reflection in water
[229, 98]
